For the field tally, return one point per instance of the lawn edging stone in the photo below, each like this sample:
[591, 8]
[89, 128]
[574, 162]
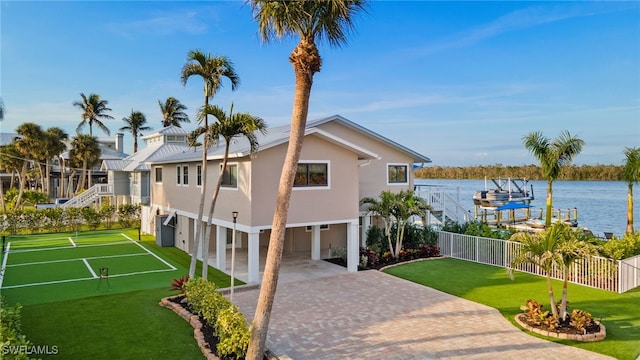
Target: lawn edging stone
[600, 335]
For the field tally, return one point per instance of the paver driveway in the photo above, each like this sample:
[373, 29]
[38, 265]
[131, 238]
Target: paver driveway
[372, 315]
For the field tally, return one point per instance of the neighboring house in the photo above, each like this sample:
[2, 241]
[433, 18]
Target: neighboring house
[341, 162]
[129, 178]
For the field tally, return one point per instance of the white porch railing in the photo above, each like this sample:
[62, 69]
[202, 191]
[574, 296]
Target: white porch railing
[89, 196]
[596, 272]
[445, 204]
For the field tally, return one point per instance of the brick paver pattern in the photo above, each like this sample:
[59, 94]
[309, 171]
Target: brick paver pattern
[373, 315]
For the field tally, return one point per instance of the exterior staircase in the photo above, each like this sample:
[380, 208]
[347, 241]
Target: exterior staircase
[445, 204]
[90, 196]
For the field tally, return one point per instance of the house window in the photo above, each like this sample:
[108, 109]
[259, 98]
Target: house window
[312, 174]
[230, 176]
[182, 175]
[397, 174]
[159, 175]
[185, 175]
[199, 175]
[323, 227]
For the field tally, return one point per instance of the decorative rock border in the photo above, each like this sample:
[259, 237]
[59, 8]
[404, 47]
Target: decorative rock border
[192, 319]
[586, 337]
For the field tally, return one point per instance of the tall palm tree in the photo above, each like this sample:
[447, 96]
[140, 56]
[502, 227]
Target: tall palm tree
[2, 204]
[84, 150]
[540, 249]
[173, 112]
[135, 124]
[631, 174]
[553, 157]
[94, 110]
[212, 70]
[570, 250]
[227, 127]
[311, 21]
[54, 146]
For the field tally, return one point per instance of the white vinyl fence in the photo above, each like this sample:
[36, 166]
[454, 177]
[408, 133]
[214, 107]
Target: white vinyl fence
[596, 272]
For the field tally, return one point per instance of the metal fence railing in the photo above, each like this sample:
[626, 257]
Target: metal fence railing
[594, 271]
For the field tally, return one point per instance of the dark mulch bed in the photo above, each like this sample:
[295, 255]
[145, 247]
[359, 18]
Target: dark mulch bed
[564, 327]
[343, 263]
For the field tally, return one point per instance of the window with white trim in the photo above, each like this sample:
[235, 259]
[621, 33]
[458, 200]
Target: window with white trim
[397, 174]
[185, 175]
[312, 175]
[230, 176]
[198, 175]
[158, 175]
[178, 174]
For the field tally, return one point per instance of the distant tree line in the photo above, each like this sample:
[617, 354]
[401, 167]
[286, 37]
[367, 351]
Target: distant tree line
[531, 172]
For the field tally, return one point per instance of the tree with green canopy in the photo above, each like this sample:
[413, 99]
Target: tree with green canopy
[135, 124]
[94, 110]
[173, 112]
[631, 174]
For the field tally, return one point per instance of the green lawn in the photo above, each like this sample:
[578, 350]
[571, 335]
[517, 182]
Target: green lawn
[489, 285]
[124, 323]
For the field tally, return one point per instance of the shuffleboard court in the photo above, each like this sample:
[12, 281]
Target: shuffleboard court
[55, 259]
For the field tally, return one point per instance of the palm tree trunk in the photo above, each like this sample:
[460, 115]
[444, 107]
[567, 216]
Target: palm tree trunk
[48, 176]
[214, 199]
[563, 302]
[2, 203]
[22, 179]
[260, 324]
[199, 224]
[552, 300]
[630, 209]
[547, 219]
[83, 176]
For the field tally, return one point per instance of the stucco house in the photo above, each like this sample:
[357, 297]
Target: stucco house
[341, 162]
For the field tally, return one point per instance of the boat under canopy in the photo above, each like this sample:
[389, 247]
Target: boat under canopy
[506, 191]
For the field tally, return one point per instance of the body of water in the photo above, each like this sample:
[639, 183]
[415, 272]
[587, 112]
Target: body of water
[602, 205]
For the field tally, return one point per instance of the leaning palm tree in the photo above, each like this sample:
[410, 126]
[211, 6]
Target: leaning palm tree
[553, 157]
[212, 70]
[135, 124]
[227, 127]
[84, 150]
[540, 249]
[30, 145]
[631, 174]
[173, 112]
[94, 110]
[311, 21]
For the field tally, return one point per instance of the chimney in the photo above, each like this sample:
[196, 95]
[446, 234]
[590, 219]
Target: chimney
[119, 142]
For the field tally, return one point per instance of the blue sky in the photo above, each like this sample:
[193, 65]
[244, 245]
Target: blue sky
[460, 82]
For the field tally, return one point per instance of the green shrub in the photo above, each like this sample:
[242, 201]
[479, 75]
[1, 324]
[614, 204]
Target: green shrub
[622, 248]
[107, 213]
[376, 239]
[11, 336]
[91, 217]
[56, 218]
[233, 332]
[73, 218]
[212, 304]
[195, 290]
[129, 215]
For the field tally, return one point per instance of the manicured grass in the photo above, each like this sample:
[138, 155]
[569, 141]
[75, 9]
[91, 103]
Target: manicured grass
[489, 285]
[124, 323]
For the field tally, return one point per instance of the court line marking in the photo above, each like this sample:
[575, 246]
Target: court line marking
[76, 259]
[93, 273]
[70, 247]
[72, 243]
[83, 279]
[147, 250]
[4, 262]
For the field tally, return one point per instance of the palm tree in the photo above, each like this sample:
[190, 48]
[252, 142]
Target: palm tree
[14, 163]
[173, 112]
[94, 109]
[54, 146]
[227, 127]
[310, 21]
[553, 156]
[84, 150]
[211, 70]
[570, 250]
[541, 250]
[135, 124]
[30, 145]
[631, 174]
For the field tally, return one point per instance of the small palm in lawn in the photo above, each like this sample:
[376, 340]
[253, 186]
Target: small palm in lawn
[631, 174]
[173, 112]
[541, 249]
[94, 110]
[135, 124]
[212, 70]
[311, 21]
[553, 157]
[227, 127]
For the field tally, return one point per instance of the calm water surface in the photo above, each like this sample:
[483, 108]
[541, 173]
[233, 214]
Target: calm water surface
[602, 205]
